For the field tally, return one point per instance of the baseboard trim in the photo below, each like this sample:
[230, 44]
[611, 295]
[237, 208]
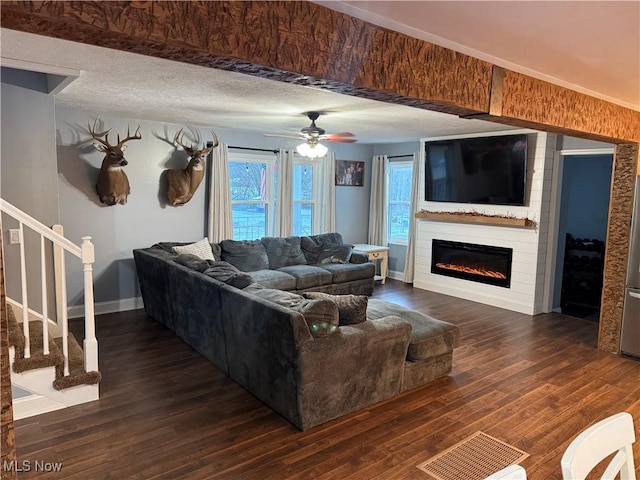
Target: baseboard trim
[395, 275]
[114, 306]
[32, 405]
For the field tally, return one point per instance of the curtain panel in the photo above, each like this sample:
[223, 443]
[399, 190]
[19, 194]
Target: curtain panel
[285, 193]
[219, 221]
[413, 208]
[378, 211]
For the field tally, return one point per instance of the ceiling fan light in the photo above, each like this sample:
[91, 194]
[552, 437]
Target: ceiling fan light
[312, 150]
[303, 149]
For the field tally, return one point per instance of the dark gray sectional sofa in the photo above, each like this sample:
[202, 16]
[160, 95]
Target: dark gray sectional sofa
[321, 263]
[267, 342]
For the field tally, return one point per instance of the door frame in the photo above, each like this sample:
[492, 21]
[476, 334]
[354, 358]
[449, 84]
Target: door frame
[554, 218]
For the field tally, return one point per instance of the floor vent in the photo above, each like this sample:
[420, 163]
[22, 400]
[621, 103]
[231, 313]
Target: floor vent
[474, 458]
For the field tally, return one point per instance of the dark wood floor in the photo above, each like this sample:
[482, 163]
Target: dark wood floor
[165, 412]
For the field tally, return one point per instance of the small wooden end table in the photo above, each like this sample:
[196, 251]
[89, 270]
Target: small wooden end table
[375, 252]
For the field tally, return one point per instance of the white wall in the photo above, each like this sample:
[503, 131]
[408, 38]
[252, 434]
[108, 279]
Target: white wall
[529, 245]
[145, 219]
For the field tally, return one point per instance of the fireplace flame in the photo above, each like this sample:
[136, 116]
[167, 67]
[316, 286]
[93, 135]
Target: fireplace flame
[474, 271]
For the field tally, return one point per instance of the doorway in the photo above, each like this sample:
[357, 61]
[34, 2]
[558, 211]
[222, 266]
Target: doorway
[582, 228]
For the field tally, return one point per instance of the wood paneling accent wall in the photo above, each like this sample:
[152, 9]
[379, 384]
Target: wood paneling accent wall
[308, 44]
[617, 246]
[7, 438]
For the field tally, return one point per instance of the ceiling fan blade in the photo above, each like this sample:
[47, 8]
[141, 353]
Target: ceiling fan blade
[343, 137]
[297, 137]
[340, 140]
[341, 134]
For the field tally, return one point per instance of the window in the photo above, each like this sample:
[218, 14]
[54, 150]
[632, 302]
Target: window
[250, 184]
[305, 187]
[399, 201]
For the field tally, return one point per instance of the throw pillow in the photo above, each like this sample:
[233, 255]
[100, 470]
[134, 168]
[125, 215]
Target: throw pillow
[335, 254]
[352, 309]
[200, 249]
[321, 314]
[246, 255]
[313, 245]
[283, 252]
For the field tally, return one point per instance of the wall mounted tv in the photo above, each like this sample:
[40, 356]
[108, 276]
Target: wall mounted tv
[482, 170]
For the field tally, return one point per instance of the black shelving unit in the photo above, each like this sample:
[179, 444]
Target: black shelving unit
[582, 276]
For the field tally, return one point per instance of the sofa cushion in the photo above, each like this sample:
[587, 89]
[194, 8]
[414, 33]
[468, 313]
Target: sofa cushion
[246, 255]
[313, 245]
[283, 252]
[200, 249]
[321, 315]
[227, 273]
[429, 337]
[352, 309]
[348, 272]
[192, 261]
[335, 254]
[308, 276]
[274, 279]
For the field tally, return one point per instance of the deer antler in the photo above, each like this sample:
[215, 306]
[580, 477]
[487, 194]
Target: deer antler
[178, 140]
[136, 136]
[215, 140]
[96, 135]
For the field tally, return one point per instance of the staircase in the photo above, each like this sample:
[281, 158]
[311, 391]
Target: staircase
[49, 368]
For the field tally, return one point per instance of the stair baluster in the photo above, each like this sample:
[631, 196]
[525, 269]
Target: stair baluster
[86, 254]
[25, 302]
[45, 300]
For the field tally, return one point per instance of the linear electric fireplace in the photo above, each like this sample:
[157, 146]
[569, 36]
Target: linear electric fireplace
[478, 263]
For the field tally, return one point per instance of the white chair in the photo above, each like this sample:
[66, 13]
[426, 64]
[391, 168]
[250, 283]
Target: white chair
[512, 472]
[613, 434]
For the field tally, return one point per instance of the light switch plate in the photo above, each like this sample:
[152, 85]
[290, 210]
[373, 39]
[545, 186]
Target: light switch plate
[14, 236]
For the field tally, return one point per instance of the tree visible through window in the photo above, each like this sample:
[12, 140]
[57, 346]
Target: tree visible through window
[399, 201]
[249, 182]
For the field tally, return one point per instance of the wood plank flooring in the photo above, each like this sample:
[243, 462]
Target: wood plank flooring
[166, 413]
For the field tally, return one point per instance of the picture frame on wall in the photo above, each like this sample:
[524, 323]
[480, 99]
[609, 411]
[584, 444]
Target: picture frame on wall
[349, 173]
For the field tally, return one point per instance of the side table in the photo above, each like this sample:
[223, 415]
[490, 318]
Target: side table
[375, 252]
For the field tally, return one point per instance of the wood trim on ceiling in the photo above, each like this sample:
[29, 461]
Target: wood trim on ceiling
[340, 53]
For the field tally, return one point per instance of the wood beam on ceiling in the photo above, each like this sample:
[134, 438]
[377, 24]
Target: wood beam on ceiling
[308, 44]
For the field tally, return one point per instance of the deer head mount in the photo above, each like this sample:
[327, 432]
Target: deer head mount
[183, 183]
[113, 184]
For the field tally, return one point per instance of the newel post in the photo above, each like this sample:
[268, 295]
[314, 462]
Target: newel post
[90, 342]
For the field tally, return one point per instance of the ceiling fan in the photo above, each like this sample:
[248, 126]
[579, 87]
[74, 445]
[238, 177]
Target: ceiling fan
[312, 135]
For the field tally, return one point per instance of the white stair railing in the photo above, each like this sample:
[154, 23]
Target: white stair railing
[85, 253]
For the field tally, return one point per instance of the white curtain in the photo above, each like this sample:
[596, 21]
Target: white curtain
[413, 208]
[285, 193]
[328, 194]
[378, 204]
[220, 224]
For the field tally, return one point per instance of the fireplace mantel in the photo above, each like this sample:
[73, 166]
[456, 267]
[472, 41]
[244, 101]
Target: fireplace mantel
[484, 219]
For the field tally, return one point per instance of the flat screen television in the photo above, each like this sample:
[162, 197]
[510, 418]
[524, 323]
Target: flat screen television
[482, 170]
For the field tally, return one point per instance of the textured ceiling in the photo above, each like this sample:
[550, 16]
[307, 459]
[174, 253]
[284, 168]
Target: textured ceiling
[585, 47]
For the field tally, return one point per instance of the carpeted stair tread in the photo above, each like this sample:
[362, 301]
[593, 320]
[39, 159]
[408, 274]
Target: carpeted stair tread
[37, 359]
[77, 374]
[55, 358]
[16, 337]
